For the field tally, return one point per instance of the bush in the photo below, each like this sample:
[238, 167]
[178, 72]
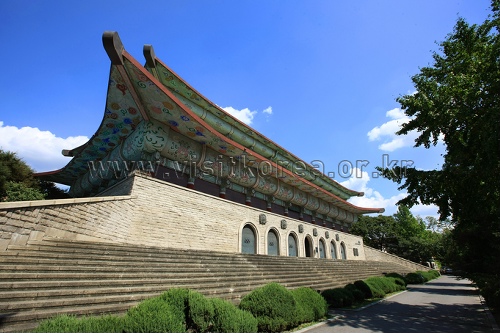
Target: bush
[429, 275]
[338, 297]
[375, 287]
[414, 278]
[178, 299]
[70, 324]
[311, 306]
[154, 315]
[401, 284]
[200, 312]
[384, 285]
[228, 318]
[361, 285]
[273, 305]
[359, 296]
[400, 279]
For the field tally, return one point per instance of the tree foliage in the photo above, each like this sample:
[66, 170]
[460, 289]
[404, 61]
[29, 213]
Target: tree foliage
[401, 234]
[457, 101]
[17, 182]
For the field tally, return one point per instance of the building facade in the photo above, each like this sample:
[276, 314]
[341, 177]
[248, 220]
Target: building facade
[158, 130]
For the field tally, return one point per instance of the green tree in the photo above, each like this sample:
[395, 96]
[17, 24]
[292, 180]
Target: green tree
[401, 234]
[17, 182]
[457, 101]
[16, 179]
[20, 192]
[407, 224]
[379, 232]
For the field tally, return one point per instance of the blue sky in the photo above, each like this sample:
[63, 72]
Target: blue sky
[319, 78]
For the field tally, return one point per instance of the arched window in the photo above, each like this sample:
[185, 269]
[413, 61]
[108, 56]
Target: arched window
[333, 250]
[322, 252]
[292, 246]
[272, 243]
[342, 251]
[248, 243]
[308, 247]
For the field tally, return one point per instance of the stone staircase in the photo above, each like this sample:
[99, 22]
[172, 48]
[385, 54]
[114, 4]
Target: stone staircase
[55, 276]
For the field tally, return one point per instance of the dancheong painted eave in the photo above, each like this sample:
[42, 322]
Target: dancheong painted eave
[150, 106]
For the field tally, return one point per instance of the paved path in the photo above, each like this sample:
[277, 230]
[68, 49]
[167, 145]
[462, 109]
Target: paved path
[442, 305]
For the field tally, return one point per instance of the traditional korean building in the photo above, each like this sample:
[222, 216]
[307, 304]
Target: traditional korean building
[200, 178]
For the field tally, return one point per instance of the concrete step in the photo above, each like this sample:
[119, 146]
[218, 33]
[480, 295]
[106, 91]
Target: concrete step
[55, 276]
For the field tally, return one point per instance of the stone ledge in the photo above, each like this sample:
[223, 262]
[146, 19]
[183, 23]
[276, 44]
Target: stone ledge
[57, 202]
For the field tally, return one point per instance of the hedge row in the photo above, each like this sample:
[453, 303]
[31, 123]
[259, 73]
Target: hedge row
[374, 287]
[176, 310]
[419, 277]
[357, 292]
[277, 308]
[271, 308]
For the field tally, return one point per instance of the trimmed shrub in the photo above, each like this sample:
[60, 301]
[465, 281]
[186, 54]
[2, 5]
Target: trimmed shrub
[154, 315]
[178, 299]
[384, 285]
[338, 297]
[359, 296]
[333, 297]
[429, 275]
[311, 306]
[381, 286]
[414, 278]
[200, 312]
[375, 288]
[59, 324]
[400, 279]
[348, 297]
[361, 285]
[399, 284]
[273, 306]
[228, 318]
[70, 324]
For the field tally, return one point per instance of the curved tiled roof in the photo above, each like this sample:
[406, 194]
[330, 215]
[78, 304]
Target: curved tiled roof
[135, 95]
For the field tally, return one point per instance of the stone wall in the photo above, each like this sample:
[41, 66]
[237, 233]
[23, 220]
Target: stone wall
[377, 255]
[144, 210]
[98, 219]
[174, 216]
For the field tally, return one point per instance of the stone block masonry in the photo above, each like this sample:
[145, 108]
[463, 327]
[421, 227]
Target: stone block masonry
[147, 211]
[377, 255]
[97, 219]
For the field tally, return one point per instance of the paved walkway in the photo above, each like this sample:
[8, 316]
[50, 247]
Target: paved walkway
[443, 305]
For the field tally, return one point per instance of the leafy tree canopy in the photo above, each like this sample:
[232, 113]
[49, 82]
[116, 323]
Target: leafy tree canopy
[401, 234]
[17, 182]
[458, 101]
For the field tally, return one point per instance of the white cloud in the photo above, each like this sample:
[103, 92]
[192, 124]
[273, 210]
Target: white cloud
[374, 199]
[244, 115]
[39, 149]
[387, 132]
[425, 210]
[268, 110]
